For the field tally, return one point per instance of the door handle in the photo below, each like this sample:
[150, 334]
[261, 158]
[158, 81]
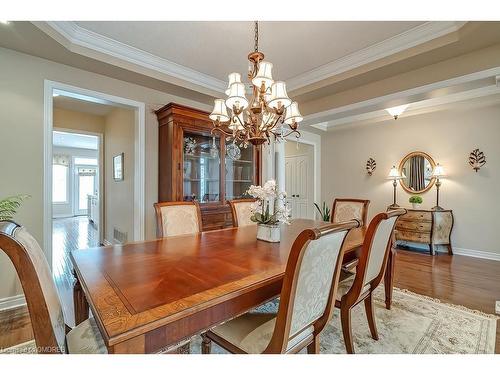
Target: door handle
[297, 196]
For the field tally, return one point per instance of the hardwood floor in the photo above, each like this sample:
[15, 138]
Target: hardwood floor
[69, 234]
[459, 280]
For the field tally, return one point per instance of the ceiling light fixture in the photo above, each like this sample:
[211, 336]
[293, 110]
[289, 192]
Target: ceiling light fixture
[397, 111]
[263, 116]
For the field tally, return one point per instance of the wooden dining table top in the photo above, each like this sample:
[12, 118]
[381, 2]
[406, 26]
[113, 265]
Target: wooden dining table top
[137, 287]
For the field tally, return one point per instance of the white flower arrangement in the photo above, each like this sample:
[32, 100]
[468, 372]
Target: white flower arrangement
[261, 208]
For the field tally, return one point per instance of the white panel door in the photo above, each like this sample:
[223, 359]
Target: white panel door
[298, 185]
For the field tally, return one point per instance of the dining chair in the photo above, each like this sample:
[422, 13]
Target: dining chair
[241, 212]
[306, 301]
[175, 218]
[354, 288]
[51, 334]
[345, 209]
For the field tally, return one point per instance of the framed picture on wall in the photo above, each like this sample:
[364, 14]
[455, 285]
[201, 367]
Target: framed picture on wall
[118, 167]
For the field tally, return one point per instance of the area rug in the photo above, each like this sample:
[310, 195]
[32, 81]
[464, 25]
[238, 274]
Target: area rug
[415, 324]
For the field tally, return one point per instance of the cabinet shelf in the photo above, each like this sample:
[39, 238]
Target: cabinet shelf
[201, 156]
[239, 161]
[201, 179]
[227, 181]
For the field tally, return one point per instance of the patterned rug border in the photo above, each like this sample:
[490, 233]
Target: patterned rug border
[451, 305]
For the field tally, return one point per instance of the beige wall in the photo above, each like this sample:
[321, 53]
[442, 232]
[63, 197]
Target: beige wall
[64, 118]
[21, 136]
[119, 195]
[448, 136]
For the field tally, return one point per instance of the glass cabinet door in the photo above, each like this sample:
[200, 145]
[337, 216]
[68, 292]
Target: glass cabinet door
[239, 170]
[201, 163]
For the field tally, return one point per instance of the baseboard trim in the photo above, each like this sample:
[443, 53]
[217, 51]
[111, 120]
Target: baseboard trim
[473, 253]
[9, 303]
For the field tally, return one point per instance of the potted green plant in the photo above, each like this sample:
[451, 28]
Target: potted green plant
[9, 206]
[416, 201]
[324, 213]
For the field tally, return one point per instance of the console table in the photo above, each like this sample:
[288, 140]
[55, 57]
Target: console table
[426, 226]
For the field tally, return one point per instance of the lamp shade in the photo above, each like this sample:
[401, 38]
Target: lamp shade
[438, 171]
[293, 114]
[219, 112]
[237, 96]
[236, 124]
[233, 78]
[397, 111]
[264, 75]
[279, 97]
[394, 174]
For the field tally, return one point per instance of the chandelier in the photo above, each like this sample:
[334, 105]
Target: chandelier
[268, 114]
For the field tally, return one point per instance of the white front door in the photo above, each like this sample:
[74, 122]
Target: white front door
[298, 186]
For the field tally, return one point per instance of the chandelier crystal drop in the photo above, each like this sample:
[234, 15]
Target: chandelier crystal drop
[269, 113]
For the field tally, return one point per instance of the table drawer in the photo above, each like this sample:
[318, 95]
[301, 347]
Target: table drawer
[413, 236]
[417, 226]
[417, 216]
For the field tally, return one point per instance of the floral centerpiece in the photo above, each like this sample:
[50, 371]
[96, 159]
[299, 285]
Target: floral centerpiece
[269, 210]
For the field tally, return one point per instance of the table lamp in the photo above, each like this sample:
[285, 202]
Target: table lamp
[438, 173]
[394, 175]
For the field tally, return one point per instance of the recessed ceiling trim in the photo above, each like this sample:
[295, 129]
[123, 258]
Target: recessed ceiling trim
[411, 38]
[396, 98]
[75, 36]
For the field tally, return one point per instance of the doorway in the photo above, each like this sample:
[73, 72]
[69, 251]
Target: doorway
[299, 179]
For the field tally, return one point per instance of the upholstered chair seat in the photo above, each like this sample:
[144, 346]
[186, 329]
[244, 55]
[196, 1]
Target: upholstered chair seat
[252, 332]
[306, 301]
[85, 338]
[242, 212]
[44, 306]
[346, 284]
[177, 218]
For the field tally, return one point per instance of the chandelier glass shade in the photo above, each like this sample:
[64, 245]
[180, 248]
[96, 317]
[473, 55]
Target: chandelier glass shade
[268, 113]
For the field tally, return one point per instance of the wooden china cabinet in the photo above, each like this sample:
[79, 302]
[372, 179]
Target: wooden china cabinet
[196, 165]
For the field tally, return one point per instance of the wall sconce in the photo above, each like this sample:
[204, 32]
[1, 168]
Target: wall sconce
[477, 159]
[397, 111]
[371, 165]
[438, 173]
[394, 176]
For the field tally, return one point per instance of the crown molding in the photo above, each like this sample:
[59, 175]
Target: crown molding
[365, 109]
[77, 39]
[411, 38]
[80, 40]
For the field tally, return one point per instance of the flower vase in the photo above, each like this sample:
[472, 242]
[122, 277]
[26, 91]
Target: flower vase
[268, 233]
[415, 206]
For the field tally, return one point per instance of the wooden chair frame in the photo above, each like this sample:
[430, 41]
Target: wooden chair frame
[280, 337]
[365, 202]
[43, 332]
[159, 221]
[233, 208]
[355, 295]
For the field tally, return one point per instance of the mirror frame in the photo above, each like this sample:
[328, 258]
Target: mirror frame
[402, 163]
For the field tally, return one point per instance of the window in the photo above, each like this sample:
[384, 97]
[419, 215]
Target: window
[60, 183]
[85, 161]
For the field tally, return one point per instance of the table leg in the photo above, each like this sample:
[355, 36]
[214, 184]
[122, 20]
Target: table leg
[389, 278]
[80, 303]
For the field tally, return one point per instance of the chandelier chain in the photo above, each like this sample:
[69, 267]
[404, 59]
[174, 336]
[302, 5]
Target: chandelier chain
[256, 36]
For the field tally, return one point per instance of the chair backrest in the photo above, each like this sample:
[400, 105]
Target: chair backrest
[374, 252]
[175, 218]
[241, 212]
[310, 284]
[345, 209]
[44, 306]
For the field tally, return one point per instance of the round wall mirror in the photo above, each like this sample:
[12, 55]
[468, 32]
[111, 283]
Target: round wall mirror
[417, 167]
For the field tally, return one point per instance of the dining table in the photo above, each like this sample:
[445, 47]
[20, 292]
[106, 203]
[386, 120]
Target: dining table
[149, 296]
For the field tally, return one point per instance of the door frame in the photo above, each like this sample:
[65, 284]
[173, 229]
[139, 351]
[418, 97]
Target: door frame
[139, 157]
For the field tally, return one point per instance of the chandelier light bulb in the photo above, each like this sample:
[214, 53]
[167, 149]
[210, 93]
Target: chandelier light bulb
[219, 112]
[279, 97]
[264, 75]
[293, 114]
